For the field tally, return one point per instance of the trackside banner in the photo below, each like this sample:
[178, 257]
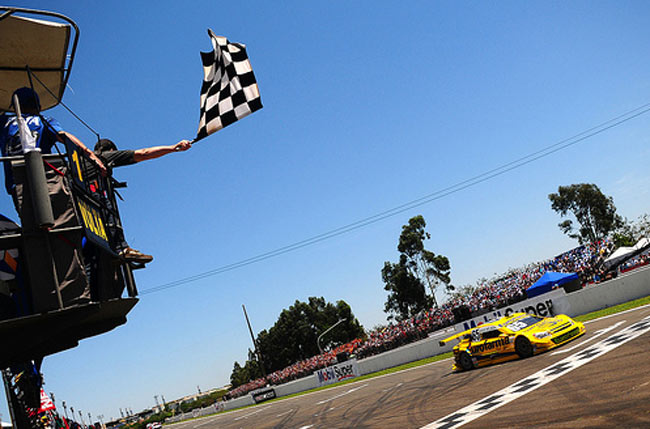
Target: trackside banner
[338, 372]
[264, 394]
[545, 305]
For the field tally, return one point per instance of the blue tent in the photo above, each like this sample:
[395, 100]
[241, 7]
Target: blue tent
[548, 280]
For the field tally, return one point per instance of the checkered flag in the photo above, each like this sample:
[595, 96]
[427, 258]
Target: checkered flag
[229, 91]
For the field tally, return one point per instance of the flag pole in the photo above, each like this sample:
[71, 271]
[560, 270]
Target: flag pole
[197, 139]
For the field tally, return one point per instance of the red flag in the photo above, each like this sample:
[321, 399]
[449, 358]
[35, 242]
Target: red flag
[46, 403]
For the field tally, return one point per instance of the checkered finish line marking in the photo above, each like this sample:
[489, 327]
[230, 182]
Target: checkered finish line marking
[540, 378]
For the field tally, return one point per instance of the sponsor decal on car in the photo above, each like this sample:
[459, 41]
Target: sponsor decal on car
[490, 345]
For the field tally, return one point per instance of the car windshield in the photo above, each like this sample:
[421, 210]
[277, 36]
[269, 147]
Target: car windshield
[519, 324]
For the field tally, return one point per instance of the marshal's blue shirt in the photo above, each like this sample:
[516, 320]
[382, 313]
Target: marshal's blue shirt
[43, 129]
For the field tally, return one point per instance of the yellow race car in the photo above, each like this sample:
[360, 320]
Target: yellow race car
[520, 335]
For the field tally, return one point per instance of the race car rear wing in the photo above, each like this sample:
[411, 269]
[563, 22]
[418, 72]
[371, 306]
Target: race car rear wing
[442, 343]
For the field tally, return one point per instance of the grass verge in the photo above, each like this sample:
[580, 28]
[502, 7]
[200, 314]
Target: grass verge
[613, 310]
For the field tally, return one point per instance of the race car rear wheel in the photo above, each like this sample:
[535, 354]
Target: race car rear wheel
[523, 347]
[465, 361]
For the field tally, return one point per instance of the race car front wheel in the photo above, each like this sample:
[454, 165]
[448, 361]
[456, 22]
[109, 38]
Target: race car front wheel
[465, 361]
[523, 347]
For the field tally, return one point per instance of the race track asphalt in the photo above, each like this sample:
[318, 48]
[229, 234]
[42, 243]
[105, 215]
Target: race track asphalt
[601, 379]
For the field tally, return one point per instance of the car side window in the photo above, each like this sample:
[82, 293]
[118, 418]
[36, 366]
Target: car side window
[491, 334]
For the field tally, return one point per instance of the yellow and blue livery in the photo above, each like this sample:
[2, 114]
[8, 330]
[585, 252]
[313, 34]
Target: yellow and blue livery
[519, 335]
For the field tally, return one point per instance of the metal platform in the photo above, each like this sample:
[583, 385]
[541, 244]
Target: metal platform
[44, 334]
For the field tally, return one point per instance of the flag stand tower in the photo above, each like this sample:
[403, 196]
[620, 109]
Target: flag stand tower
[63, 279]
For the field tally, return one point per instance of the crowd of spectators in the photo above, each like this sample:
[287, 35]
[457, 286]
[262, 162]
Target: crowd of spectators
[407, 331]
[298, 370]
[584, 260]
[636, 262]
[489, 295]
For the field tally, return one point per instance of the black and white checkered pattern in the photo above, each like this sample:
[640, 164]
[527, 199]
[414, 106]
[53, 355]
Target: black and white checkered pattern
[229, 91]
[540, 378]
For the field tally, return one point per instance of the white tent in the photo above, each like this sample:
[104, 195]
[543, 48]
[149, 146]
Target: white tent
[623, 253]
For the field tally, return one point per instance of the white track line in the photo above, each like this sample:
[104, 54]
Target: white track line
[285, 413]
[540, 378]
[245, 416]
[341, 394]
[394, 387]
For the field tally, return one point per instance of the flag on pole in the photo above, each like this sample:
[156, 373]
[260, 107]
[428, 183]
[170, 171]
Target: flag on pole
[46, 403]
[229, 91]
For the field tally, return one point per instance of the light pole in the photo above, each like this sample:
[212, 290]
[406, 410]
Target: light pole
[257, 350]
[326, 331]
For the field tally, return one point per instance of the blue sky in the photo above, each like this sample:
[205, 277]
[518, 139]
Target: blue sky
[367, 106]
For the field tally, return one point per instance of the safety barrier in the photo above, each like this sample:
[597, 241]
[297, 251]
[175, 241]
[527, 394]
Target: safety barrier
[626, 287]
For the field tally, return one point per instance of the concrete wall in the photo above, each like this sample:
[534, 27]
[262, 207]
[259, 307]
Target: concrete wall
[405, 354]
[295, 386]
[625, 288]
[242, 401]
[220, 406]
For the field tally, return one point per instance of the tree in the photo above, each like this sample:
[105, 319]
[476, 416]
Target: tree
[594, 212]
[406, 293]
[250, 371]
[463, 292]
[641, 228]
[200, 402]
[624, 236]
[417, 269]
[630, 232]
[293, 336]
[237, 377]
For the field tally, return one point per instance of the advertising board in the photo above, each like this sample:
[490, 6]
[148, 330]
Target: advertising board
[545, 305]
[339, 372]
[264, 394]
